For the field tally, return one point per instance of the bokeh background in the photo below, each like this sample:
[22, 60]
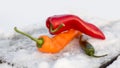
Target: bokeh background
[25, 12]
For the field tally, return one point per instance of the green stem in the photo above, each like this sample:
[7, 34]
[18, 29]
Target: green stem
[58, 28]
[99, 56]
[39, 41]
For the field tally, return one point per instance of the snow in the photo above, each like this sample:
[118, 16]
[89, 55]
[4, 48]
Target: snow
[17, 51]
[4, 65]
[22, 52]
[115, 64]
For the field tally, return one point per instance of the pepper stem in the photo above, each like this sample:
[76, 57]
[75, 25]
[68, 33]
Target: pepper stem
[99, 56]
[38, 41]
[58, 28]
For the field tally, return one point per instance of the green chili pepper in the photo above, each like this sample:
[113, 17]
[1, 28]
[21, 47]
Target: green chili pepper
[88, 48]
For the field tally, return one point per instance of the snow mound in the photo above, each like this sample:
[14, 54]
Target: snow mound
[20, 52]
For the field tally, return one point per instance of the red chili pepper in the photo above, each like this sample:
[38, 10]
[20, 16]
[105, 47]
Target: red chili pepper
[59, 23]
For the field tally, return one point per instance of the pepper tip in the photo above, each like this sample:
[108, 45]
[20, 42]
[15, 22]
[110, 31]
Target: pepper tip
[103, 38]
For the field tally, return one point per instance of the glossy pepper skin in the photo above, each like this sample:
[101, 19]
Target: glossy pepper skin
[59, 23]
[55, 44]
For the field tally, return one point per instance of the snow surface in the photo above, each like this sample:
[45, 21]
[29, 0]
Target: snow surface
[22, 52]
[115, 64]
[4, 65]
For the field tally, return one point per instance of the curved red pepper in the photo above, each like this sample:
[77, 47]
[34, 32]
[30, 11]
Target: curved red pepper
[59, 23]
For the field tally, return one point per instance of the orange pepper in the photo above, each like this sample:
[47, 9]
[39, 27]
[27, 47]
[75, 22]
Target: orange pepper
[54, 44]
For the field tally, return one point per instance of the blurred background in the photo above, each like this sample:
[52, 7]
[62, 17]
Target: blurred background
[25, 12]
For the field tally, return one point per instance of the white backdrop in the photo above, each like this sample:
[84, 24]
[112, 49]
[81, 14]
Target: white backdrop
[25, 12]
